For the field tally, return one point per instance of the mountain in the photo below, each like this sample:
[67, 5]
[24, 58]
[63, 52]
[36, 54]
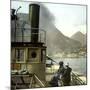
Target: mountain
[78, 36]
[56, 42]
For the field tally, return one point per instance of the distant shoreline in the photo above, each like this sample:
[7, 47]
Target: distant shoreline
[70, 57]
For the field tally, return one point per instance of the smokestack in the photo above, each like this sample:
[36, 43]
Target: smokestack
[34, 20]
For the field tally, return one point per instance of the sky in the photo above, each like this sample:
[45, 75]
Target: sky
[67, 18]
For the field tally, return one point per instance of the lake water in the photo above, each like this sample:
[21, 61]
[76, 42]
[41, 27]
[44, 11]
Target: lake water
[78, 65]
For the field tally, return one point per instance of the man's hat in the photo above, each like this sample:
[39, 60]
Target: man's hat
[61, 63]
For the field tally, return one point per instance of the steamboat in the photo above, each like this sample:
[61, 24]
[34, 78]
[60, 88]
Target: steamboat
[28, 55]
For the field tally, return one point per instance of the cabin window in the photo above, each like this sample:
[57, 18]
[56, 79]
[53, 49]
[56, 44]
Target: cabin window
[43, 56]
[32, 55]
[20, 55]
[12, 55]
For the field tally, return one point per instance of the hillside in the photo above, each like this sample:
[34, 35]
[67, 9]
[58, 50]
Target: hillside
[78, 36]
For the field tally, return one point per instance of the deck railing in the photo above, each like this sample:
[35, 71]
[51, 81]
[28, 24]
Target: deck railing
[76, 80]
[24, 35]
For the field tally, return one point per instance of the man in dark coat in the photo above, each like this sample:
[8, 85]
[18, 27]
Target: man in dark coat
[67, 76]
[60, 72]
